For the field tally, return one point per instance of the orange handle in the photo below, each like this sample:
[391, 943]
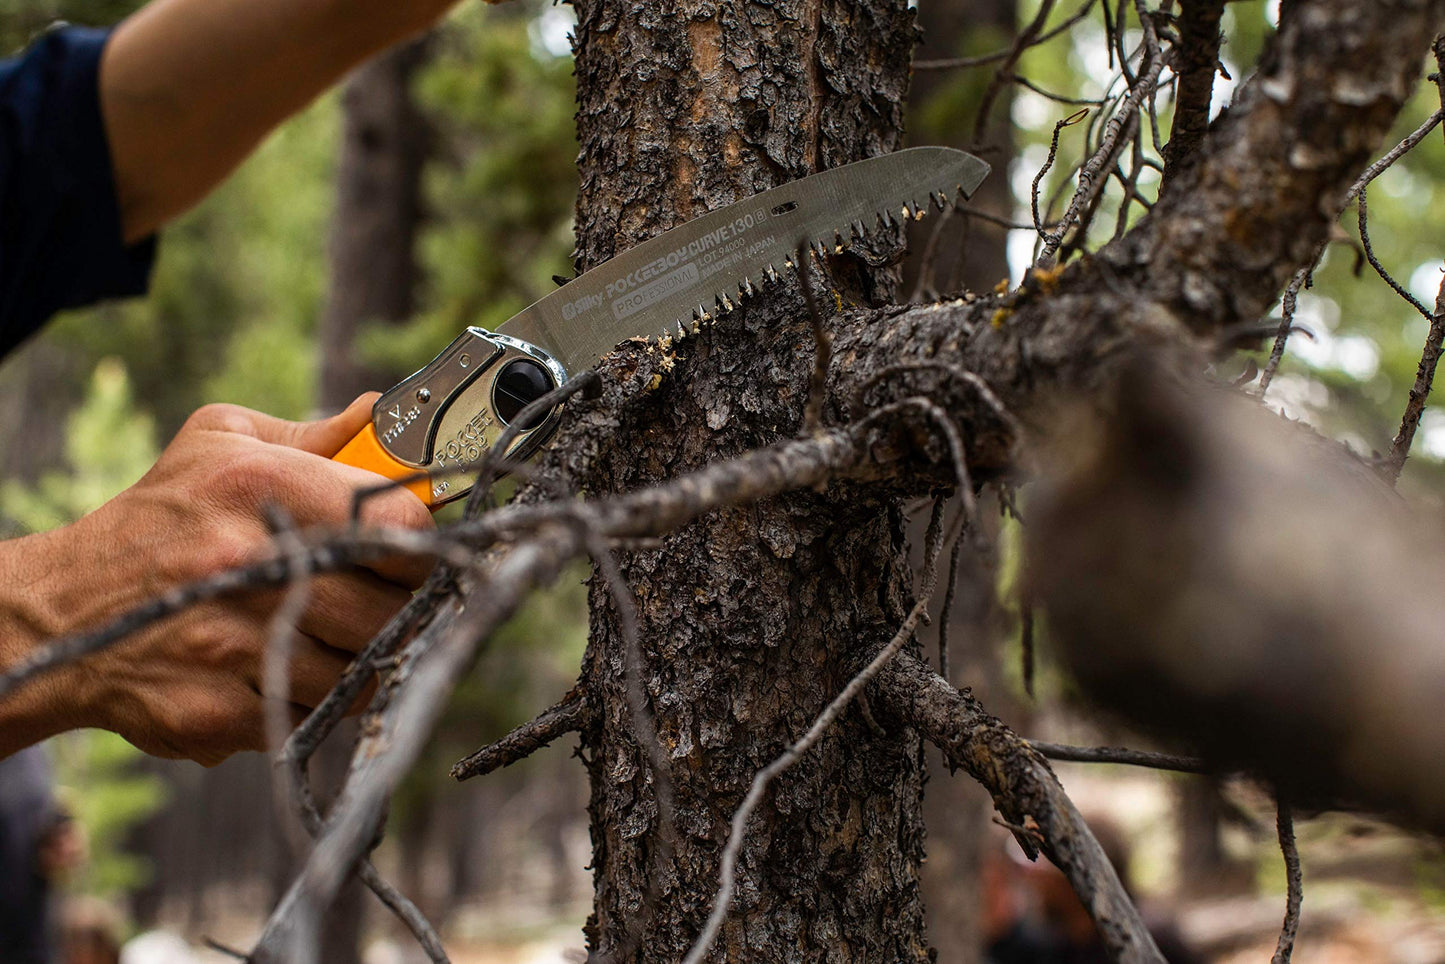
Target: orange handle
[365, 452]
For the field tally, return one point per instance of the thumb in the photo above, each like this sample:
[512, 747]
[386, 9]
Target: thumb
[323, 437]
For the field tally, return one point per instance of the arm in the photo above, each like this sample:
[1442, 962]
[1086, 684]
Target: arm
[190, 686]
[190, 87]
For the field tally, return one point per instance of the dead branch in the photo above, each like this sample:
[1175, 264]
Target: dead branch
[1430, 354]
[1024, 789]
[1196, 62]
[1121, 755]
[568, 715]
[1294, 884]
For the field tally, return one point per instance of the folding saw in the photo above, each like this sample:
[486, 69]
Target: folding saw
[444, 418]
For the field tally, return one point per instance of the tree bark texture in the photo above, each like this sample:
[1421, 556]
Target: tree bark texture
[384, 144]
[753, 619]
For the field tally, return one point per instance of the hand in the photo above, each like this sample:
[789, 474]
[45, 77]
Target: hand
[190, 686]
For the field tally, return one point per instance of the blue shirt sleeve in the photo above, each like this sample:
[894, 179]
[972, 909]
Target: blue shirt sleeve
[60, 233]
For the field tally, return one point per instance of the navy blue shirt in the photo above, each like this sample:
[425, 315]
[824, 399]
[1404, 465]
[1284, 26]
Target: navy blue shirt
[60, 234]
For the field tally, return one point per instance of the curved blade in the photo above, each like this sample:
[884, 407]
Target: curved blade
[698, 268]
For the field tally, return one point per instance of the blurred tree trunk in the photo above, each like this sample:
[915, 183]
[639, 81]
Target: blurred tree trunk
[373, 278]
[39, 386]
[943, 109]
[971, 255]
[1202, 861]
[385, 139]
[752, 619]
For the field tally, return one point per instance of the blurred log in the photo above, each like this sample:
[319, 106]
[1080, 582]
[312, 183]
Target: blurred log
[1235, 582]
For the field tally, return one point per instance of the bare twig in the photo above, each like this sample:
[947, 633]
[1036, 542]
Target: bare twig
[1113, 754]
[1069, 121]
[1026, 38]
[1398, 288]
[1430, 354]
[954, 63]
[1294, 885]
[276, 667]
[327, 551]
[1420, 391]
[567, 716]
[1122, 125]
[1286, 321]
[1388, 159]
[1024, 789]
[944, 615]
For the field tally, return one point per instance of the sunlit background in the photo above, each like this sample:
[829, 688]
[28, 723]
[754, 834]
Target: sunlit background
[181, 855]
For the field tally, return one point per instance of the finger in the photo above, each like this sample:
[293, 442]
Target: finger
[319, 492]
[347, 610]
[323, 437]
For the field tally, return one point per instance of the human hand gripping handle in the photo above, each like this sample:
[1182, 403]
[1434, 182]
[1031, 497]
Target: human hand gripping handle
[191, 685]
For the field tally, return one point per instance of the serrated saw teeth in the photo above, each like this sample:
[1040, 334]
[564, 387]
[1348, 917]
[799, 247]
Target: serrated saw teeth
[860, 233]
[939, 199]
[771, 274]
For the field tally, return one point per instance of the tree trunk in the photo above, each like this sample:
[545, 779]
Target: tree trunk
[378, 208]
[752, 619]
[1202, 861]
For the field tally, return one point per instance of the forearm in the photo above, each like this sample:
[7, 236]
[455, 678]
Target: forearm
[190, 87]
[30, 614]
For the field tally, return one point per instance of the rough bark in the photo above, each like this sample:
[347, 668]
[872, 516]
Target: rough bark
[735, 663]
[759, 604]
[751, 618]
[384, 144]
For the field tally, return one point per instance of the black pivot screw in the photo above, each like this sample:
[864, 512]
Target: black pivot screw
[521, 382]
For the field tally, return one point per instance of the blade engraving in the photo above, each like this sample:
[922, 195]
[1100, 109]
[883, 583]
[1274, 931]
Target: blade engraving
[689, 275]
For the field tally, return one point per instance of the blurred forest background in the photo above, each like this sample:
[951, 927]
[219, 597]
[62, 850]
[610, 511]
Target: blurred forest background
[434, 191]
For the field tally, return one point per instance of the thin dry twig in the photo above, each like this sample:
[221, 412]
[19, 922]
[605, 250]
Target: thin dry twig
[1294, 887]
[955, 63]
[1069, 121]
[276, 666]
[1286, 321]
[1122, 125]
[1395, 286]
[1027, 37]
[1121, 755]
[567, 716]
[1430, 354]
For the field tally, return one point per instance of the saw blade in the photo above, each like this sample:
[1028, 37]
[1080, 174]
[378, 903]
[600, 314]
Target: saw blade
[702, 268]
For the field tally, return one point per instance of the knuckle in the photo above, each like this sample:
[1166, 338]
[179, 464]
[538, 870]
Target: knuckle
[226, 549]
[219, 417]
[249, 476]
[398, 510]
